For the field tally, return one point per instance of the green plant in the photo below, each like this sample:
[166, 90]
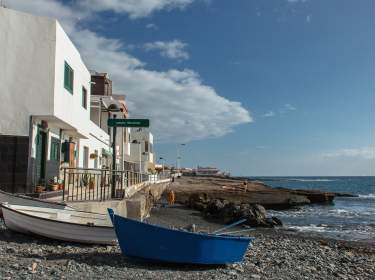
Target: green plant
[85, 180]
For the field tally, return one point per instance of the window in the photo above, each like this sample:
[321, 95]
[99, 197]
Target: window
[68, 78]
[146, 146]
[55, 149]
[84, 97]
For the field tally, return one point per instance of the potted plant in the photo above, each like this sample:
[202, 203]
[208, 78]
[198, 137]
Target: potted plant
[53, 184]
[61, 184]
[92, 183]
[53, 187]
[85, 180]
[40, 187]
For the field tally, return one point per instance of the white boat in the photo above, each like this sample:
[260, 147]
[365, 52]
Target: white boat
[66, 225]
[19, 199]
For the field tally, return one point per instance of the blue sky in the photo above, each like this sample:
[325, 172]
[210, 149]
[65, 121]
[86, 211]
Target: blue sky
[258, 87]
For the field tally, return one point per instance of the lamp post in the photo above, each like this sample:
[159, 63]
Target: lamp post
[161, 158]
[114, 130]
[140, 156]
[179, 157]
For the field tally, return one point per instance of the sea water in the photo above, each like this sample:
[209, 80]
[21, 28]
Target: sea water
[349, 218]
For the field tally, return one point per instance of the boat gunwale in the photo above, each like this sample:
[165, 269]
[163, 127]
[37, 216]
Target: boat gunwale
[23, 196]
[211, 236]
[68, 209]
[57, 221]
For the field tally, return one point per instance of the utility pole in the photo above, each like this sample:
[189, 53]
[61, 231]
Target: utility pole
[161, 159]
[178, 157]
[140, 156]
[114, 159]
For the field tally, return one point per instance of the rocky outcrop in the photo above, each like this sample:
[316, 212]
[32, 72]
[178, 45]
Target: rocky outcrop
[315, 196]
[227, 212]
[248, 192]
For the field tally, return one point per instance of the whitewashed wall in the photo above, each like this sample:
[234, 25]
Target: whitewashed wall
[68, 107]
[33, 51]
[27, 62]
[97, 140]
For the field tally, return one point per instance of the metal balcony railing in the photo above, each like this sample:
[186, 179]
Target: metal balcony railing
[82, 184]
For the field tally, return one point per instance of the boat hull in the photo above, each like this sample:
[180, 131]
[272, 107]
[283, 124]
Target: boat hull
[58, 230]
[145, 241]
[29, 201]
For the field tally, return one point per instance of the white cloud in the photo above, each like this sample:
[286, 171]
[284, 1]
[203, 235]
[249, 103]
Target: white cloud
[269, 114]
[181, 107]
[152, 26]
[173, 49]
[284, 109]
[135, 8]
[364, 153]
[308, 18]
[297, 1]
[289, 107]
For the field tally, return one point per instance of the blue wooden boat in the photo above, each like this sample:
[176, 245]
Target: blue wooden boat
[151, 242]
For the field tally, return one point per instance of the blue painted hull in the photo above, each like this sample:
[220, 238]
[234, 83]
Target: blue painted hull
[156, 243]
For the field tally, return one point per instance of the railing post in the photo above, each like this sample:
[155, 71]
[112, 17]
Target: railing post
[63, 194]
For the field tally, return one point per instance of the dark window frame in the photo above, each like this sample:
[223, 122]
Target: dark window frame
[55, 149]
[68, 78]
[84, 97]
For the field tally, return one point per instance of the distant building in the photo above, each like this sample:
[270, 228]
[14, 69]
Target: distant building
[142, 147]
[207, 171]
[105, 105]
[187, 171]
[101, 84]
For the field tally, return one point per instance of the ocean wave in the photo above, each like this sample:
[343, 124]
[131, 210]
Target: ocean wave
[310, 180]
[315, 228]
[350, 231]
[367, 196]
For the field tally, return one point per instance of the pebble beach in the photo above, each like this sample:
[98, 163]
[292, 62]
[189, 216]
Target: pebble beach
[275, 254]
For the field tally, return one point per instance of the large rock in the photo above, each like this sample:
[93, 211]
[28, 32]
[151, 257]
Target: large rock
[227, 212]
[297, 200]
[198, 201]
[316, 196]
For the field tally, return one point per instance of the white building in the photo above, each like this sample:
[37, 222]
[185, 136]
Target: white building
[45, 103]
[207, 171]
[141, 149]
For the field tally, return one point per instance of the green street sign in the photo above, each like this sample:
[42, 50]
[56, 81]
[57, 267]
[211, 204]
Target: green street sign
[129, 122]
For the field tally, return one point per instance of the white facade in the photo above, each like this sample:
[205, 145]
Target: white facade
[141, 148]
[101, 107]
[27, 63]
[33, 53]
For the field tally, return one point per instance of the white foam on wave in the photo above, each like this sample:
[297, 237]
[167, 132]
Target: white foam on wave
[308, 228]
[367, 196]
[341, 230]
[340, 211]
[311, 180]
